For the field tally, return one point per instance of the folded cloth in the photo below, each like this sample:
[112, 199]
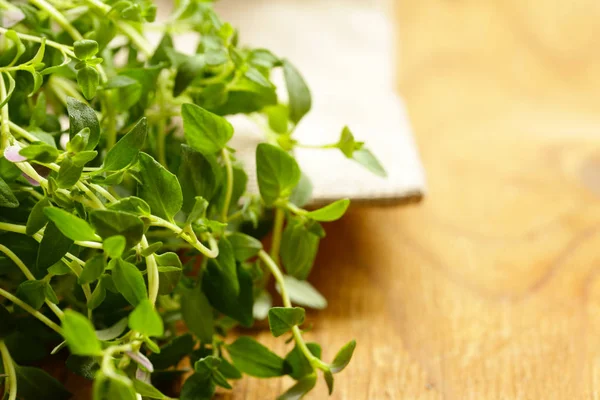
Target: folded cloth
[344, 50]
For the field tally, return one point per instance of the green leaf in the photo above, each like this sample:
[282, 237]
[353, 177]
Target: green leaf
[331, 212]
[171, 353]
[347, 144]
[19, 47]
[228, 370]
[113, 331]
[109, 223]
[80, 335]
[209, 367]
[302, 193]
[187, 72]
[83, 366]
[70, 225]
[68, 174]
[146, 320]
[159, 188]
[298, 250]
[59, 268]
[83, 157]
[114, 246]
[40, 151]
[50, 294]
[128, 281]
[199, 175]
[254, 359]
[198, 211]
[32, 293]
[342, 358]
[125, 91]
[147, 390]
[98, 295]
[53, 247]
[85, 49]
[277, 172]
[300, 100]
[300, 389]
[329, 380]
[132, 205]
[204, 131]
[160, 54]
[82, 116]
[35, 383]
[220, 292]
[197, 387]
[297, 365]
[153, 248]
[197, 314]
[8, 325]
[108, 388]
[37, 219]
[278, 117]
[88, 80]
[226, 262]
[169, 272]
[303, 293]
[38, 115]
[79, 141]
[7, 198]
[126, 150]
[368, 160]
[244, 246]
[93, 269]
[283, 319]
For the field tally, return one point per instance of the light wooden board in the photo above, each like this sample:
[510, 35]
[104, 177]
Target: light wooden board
[489, 289]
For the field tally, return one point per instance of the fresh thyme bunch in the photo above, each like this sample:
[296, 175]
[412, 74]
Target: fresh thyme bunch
[115, 167]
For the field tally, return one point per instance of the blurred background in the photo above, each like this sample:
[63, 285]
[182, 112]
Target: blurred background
[487, 289]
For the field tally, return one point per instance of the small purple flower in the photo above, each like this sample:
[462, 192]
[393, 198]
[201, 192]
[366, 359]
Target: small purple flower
[141, 360]
[11, 153]
[9, 18]
[142, 375]
[30, 179]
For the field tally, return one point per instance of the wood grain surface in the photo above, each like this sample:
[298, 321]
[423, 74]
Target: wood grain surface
[489, 288]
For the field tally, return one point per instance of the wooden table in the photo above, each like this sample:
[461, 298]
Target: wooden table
[489, 288]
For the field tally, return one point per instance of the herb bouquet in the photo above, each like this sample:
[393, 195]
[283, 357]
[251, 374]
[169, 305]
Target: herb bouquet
[115, 167]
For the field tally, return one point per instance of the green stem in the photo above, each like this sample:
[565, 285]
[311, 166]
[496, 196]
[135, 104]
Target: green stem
[5, 226]
[4, 119]
[22, 132]
[211, 252]
[9, 369]
[107, 365]
[152, 273]
[58, 17]
[8, 252]
[89, 244]
[50, 324]
[229, 188]
[296, 210]
[270, 263]
[91, 195]
[277, 233]
[67, 50]
[317, 146]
